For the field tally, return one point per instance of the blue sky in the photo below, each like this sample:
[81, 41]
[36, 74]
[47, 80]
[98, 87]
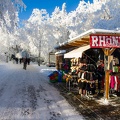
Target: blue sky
[49, 5]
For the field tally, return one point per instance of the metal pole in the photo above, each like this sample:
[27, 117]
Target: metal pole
[39, 56]
[39, 53]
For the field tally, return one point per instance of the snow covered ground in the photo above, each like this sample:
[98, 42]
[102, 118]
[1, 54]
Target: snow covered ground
[27, 95]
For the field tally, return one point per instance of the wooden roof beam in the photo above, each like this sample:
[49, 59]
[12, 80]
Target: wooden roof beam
[78, 42]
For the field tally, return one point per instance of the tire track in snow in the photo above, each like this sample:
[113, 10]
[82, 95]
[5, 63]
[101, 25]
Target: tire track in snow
[10, 99]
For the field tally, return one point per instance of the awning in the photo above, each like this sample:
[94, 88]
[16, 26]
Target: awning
[76, 53]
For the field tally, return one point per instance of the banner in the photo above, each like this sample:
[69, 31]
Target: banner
[104, 41]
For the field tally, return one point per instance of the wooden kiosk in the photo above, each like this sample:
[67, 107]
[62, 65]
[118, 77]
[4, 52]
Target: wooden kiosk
[107, 40]
[59, 59]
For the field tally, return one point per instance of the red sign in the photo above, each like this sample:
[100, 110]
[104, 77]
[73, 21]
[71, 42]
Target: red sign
[104, 41]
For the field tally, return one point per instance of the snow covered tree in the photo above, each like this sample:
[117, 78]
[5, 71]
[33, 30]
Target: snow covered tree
[40, 33]
[9, 13]
[9, 21]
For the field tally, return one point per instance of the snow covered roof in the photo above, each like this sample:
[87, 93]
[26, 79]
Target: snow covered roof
[60, 52]
[83, 39]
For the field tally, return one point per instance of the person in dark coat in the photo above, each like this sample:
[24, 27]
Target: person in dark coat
[25, 63]
[16, 59]
[20, 60]
[28, 61]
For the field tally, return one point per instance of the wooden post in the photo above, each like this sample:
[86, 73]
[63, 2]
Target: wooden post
[107, 52]
[107, 84]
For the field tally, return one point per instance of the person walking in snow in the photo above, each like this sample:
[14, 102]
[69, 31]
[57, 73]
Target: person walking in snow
[28, 61]
[25, 57]
[25, 63]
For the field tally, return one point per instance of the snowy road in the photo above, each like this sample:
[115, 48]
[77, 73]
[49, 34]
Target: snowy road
[27, 95]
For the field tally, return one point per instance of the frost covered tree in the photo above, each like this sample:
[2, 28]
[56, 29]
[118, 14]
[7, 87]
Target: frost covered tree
[9, 13]
[59, 19]
[40, 33]
[101, 14]
[109, 16]
[8, 21]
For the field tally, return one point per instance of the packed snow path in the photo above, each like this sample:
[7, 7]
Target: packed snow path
[27, 95]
